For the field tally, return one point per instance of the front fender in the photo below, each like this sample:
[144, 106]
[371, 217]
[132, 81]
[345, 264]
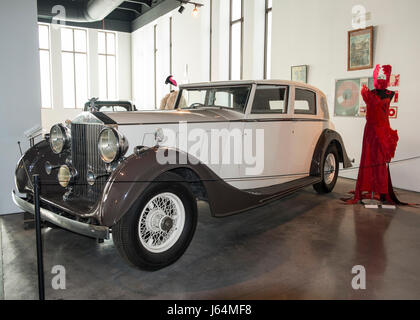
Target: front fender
[328, 137]
[33, 162]
[132, 178]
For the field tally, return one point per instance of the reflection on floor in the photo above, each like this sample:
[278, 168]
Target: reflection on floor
[302, 247]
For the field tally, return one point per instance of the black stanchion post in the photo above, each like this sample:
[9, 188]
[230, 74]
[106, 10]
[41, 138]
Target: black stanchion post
[40, 260]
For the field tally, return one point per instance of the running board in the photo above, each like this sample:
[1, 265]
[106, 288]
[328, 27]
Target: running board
[284, 189]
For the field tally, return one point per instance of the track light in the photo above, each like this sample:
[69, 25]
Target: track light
[195, 11]
[186, 2]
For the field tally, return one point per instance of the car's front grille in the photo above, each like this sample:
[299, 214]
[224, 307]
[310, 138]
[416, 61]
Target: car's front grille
[85, 158]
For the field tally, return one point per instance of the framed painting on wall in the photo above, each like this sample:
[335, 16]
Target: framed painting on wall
[300, 73]
[360, 49]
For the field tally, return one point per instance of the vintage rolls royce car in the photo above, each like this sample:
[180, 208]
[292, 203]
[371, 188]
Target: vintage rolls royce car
[138, 175]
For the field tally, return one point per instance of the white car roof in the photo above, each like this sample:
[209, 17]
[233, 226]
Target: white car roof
[249, 82]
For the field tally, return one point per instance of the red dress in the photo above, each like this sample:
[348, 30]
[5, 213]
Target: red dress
[379, 145]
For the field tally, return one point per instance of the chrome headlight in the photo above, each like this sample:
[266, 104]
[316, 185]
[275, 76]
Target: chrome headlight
[59, 138]
[112, 145]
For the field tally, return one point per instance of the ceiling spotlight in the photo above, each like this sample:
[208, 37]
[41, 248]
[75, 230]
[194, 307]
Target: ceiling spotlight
[181, 9]
[195, 11]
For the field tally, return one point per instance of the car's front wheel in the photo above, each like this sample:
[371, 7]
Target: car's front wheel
[329, 171]
[160, 226]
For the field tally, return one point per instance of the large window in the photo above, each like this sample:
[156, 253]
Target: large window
[107, 65]
[236, 45]
[305, 102]
[44, 58]
[233, 98]
[270, 99]
[267, 41]
[74, 67]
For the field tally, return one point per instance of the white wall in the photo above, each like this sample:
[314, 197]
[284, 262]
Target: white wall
[220, 47]
[254, 28]
[20, 97]
[190, 54]
[314, 32]
[58, 113]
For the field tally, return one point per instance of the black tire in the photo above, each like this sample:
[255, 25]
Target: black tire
[324, 186]
[126, 236]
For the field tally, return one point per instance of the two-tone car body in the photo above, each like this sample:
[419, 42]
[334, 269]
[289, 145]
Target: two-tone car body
[236, 145]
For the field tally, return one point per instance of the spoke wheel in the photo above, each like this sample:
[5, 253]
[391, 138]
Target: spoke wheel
[161, 222]
[329, 168]
[329, 171]
[160, 226]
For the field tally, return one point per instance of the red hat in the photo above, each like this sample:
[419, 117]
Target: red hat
[379, 82]
[170, 80]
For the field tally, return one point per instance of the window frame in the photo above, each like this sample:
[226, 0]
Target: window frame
[106, 55]
[210, 40]
[286, 100]
[268, 11]
[74, 52]
[208, 88]
[303, 112]
[324, 106]
[231, 24]
[49, 61]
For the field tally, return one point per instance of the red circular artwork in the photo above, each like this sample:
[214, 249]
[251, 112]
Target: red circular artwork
[348, 94]
[392, 112]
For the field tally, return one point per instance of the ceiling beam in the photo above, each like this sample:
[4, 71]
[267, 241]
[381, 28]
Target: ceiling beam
[147, 3]
[154, 13]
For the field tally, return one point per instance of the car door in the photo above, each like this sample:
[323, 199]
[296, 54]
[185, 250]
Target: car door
[267, 132]
[308, 125]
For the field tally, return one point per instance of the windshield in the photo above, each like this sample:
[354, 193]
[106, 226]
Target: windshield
[233, 98]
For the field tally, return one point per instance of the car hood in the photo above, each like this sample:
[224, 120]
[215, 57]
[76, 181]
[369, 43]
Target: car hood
[176, 116]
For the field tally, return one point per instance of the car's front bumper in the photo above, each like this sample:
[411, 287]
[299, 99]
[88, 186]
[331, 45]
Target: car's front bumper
[89, 230]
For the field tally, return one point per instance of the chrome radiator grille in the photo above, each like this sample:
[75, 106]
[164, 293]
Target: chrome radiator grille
[85, 158]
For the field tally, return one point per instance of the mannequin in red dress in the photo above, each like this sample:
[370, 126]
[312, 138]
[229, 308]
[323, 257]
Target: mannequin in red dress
[379, 142]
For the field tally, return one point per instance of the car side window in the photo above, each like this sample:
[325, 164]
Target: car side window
[305, 102]
[270, 99]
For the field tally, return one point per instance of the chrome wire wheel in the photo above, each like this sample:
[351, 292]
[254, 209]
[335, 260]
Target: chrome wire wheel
[329, 168]
[161, 222]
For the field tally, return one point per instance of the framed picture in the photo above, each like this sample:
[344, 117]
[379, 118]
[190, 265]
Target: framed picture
[360, 49]
[300, 73]
[348, 100]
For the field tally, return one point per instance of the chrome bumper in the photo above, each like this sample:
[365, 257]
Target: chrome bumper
[89, 230]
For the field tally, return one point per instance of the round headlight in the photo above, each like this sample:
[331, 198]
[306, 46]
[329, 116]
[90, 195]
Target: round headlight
[64, 176]
[112, 145]
[59, 138]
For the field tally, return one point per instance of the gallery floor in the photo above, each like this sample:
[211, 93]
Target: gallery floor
[301, 247]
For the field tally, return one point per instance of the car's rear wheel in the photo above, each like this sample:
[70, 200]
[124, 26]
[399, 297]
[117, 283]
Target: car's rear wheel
[159, 228]
[329, 171]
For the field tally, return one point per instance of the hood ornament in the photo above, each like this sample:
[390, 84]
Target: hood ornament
[92, 105]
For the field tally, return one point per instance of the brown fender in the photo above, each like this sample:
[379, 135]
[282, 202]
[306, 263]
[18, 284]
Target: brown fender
[34, 161]
[328, 137]
[137, 172]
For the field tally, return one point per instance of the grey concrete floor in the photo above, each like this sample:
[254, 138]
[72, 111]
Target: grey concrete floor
[301, 247]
